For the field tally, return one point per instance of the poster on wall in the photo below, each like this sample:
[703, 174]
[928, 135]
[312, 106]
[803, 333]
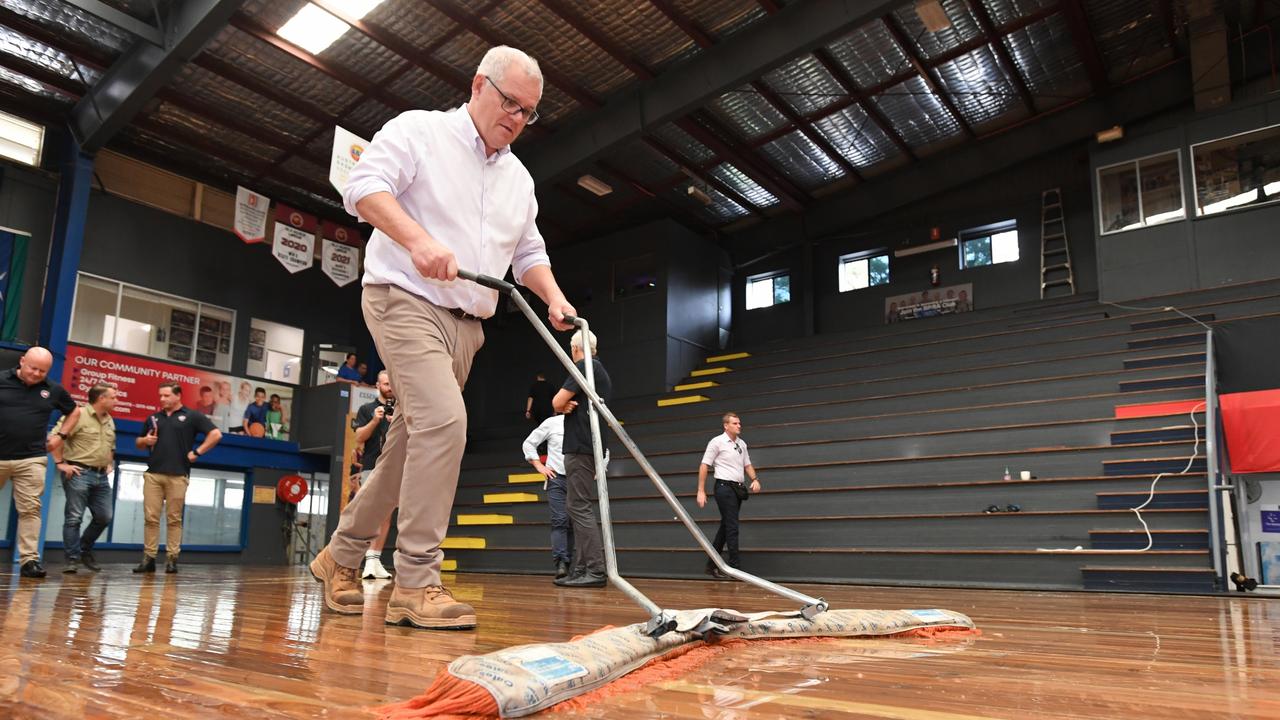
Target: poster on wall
[295, 238]
[340, 253]
[927, 303]
[251, 215]
[347, 149]
[137, 380]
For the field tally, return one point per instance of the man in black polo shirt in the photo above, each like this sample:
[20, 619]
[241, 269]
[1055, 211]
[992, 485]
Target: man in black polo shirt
[171, 438]
[580, 466]
[27, 399]
[371, 423]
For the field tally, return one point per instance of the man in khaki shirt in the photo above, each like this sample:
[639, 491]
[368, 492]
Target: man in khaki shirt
[86, 461]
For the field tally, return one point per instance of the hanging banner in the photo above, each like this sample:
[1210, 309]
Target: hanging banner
[340, 262]
[347, 149]
[251, 215]
[224, 398]
[295, 239]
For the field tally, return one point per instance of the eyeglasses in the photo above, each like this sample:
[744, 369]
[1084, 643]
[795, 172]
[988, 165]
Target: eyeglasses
[511, 107]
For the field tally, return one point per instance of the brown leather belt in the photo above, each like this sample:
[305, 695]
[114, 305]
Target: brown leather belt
[458, 313]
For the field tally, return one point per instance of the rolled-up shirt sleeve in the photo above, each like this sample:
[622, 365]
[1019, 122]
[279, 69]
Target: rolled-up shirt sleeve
[536, 438]
[389, 164]
[531, 249]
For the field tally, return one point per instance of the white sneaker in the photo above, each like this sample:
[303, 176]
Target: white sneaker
[373, 569]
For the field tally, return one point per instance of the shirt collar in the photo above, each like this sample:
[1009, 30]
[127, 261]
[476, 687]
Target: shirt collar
[467, 129]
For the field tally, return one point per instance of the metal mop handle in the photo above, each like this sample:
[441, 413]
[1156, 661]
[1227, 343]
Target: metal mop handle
[658, 622]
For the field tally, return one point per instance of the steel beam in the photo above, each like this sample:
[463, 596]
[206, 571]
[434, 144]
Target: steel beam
[1010, 67]
[122, 20]
[473, 25]
[711, 133]
[145, 68]
[863, 100]
[1078, 23]
[925, 72]
[702, 175]
[796, 29]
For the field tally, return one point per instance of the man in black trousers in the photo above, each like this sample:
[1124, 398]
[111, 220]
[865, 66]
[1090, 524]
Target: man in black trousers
[727, 456]
[580, 467]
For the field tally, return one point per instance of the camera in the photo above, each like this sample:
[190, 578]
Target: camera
[388, 408]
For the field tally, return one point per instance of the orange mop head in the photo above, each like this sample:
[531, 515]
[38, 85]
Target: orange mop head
[523, 680]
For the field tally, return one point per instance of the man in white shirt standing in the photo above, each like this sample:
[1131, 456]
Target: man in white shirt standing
[727, 456]
[443, 191]
[551, 431]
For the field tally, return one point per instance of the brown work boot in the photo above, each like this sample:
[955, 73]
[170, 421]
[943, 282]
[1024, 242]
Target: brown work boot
[342, 591]
[431, 607]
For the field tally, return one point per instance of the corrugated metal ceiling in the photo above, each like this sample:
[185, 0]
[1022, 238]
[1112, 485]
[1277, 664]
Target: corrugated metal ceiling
[295, 99]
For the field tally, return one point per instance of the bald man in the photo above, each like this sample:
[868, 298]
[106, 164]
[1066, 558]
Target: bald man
[27, 399]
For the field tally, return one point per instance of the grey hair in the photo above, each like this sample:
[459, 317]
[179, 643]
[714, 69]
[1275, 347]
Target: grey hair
[495, 62]
[576, 342]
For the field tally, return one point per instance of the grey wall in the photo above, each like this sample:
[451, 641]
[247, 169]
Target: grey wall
[1231, 247]
[26, 204]
[646, 340]
[1012, 194]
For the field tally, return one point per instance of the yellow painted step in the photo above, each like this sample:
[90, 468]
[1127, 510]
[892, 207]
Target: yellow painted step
[696, 386]
[486, 519]
[726, 358]
[514, 497]
[526, 478]
[682, 400]
[710, 371]
[463, 543]
[449, 566]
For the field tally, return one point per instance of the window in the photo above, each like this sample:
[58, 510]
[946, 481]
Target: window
[768, 290]
[20, 140]
[125, 317]
[211, 516]
[862, 270]
[991, 245]
[1237, 171]
[1123, 207]
[275, 351]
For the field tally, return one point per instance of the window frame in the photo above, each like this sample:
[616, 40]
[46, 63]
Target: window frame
[120, 287]
[1137, 169]
[761, 277]
[867, 255]
[1195, 178]
[988, 231]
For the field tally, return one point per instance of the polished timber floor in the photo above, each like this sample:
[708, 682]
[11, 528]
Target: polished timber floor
[227, 642]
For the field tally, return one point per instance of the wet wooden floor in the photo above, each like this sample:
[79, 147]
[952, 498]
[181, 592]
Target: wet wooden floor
[227, 642]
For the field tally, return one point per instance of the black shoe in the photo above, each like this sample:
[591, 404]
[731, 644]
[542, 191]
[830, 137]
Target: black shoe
[562, 569]
[148, 565]
[171, 565]
[32, 569]
[88, 560]
[585, 580]
[714, 571]
[71, 568]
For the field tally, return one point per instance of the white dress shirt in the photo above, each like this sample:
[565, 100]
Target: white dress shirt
[728, 458]
[550, 431]
[480, 207]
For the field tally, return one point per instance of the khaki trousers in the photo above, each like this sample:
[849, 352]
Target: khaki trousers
[157, 490]
[428, 353]
[28, 487]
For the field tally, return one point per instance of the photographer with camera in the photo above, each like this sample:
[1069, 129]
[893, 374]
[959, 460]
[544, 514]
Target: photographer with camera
[371, 423]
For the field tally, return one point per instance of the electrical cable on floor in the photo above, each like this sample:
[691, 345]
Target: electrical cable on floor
[1195, 450]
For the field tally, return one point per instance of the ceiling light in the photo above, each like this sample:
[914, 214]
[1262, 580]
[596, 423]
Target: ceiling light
[932, 15]
[699, 195]
[314, 29]
[594, 185]
[20, 140]
[1111, 134]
